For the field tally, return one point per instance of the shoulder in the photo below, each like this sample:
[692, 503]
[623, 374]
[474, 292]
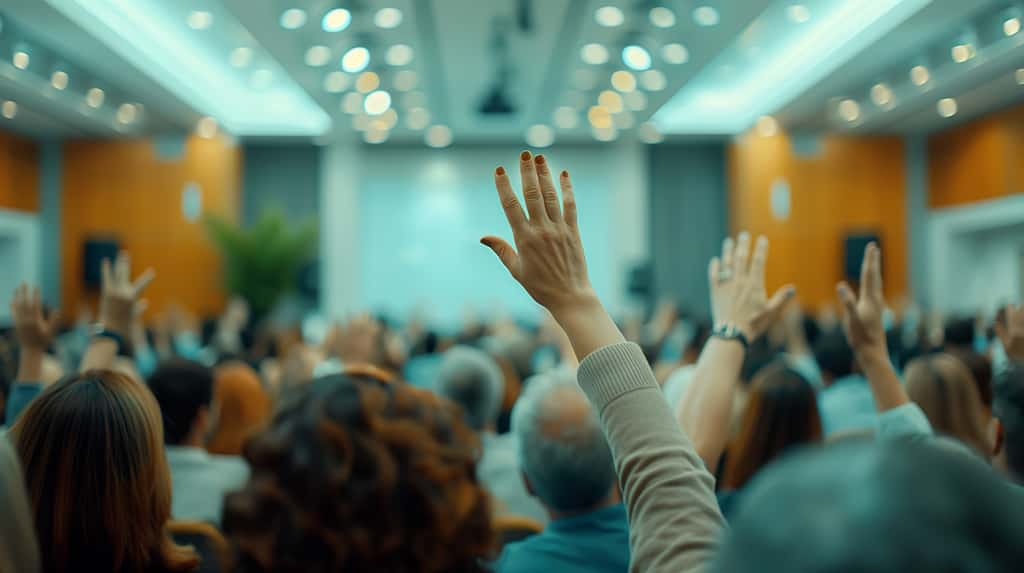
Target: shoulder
[522, 556]
[230, 465]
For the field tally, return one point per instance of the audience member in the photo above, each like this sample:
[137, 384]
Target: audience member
[472, 380]
[1008, 408]
[244, 407]
[846, 404]
[945, 390]
[184, 391]
[980, 367]
[568, 466]
[19, 551]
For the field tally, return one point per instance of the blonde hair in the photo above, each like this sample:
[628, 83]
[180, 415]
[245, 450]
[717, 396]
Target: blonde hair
[945, 390]
[244, 408]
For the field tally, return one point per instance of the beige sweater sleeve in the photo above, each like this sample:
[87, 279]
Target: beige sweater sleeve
[674, 520]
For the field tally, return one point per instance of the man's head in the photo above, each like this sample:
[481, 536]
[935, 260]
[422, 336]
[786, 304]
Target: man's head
[1008, 409]
[834, 356]
[562, 450]
[474, 381]
[869, 506]
[184, 391]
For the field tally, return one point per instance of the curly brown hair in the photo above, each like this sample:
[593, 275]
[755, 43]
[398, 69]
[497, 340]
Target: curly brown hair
[358, 474]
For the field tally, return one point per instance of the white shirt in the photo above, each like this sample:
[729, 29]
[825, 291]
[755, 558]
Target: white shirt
[200, 481]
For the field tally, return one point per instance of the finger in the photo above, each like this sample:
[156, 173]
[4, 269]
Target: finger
[106, 275]
[35, 302]
[509, 201]
[728, 252]
[53, 320]
[757, 264]
[122, 269]
[143, 281]
[876, 273]
[780, 298]
[547, 189]
[140, 308]
[847, 298]
[506, 254]
[568, 199]
[714, 271]
[742, 255]
[865, 270]
[531, 188]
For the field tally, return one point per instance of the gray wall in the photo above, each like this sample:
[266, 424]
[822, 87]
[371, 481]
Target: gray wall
[917, 215]
[689, 219]
[281, 176]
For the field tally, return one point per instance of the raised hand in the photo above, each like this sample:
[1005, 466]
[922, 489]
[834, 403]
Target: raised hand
[119, 294]
[34, 330]
[862, 320]
[738, 295]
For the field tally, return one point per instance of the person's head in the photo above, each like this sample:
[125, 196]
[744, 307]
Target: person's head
[92, 451]
[243, 408]
[888, 507]
[834, 356]
[18, 548]
[184, 391]
[959, 333]
[781, 413]
[473, 380]
[760, 355]
[562, 451]
[945, 390]
[981, 371]
[1008, 408]
[357, 474]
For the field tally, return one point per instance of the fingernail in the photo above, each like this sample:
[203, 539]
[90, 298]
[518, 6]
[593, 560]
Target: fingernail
[540, 160]
[525, 156]
[565, 174]
[499, 171]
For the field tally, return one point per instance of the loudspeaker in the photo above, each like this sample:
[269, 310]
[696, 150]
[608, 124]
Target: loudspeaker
[856, 243]
[93, 252]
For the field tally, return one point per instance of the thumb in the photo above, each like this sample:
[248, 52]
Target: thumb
[505, 252]
[848, 299]
[781, 297]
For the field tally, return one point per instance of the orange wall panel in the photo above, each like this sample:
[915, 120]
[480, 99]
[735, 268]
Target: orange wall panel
[852, 185]
[124, 189]
[19, 173]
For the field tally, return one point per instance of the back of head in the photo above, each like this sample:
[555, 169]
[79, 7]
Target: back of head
[357, 474]
[959, 332]
[18, 548]
[473, 380]
[781, 413]
[760, 355]
[182, 388]
[834, 355]
[981, 371]
[1008, 407]
[884, 507]
[945, 390]
[98, 482]
[243, 408]
[562, 448]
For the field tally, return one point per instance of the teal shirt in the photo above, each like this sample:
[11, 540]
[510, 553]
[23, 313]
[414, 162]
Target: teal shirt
[595, 542]
[21, 394]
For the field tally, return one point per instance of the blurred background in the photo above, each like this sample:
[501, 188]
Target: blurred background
[333, 156]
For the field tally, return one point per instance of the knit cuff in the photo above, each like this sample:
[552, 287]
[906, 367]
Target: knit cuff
[614, 370]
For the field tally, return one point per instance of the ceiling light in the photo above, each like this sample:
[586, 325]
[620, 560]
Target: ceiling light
[59, 80]
[599, 116]
[336, 82]
[624, 81]
[439, 136]
[127, 113]
[798, 13]
[352, 103]
[20, 59]
[200, 20]
[1011, 26]
[635, 101]
[881, 94]
[206, 128]
[767, 126]
[375, 136]
[261, 78]
[610, 101]
[317, 56]
[919, 75]
[946, 107]
[609, 16]
[9, 109]
[594, 54]
[623, 120]
[377, 102]
[540, 136]
[705, 16]
[293, 19]
[367, 82]
[662, 17]
[240, 57]
[649, 133]
[653, 80]
[675, 54]
[962, 52]
[398, 55]
[565, 117]
[1019, 76]
[849, 110]
[417, 118]
[94, 97]
[584, 80]
[406, 80]
[636, 57]
[387, 18]
[336, 20]
[605, 133]
[355, 60]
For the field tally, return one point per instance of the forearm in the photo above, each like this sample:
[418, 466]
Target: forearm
[705, 411]
[588, 326]
[885, 384]
[30, 365]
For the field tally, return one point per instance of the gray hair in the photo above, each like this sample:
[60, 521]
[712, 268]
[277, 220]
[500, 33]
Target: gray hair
[473, 380]
[562, 450]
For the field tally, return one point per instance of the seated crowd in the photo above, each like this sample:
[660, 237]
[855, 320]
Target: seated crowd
[762, 440]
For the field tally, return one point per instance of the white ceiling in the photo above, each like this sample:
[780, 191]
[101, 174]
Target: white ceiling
[144, 52]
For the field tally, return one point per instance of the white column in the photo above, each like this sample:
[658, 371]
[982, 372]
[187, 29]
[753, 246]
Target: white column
[339, 229]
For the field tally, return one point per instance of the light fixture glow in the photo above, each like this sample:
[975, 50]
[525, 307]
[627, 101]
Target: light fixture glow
[649, 133]
[599, 117]
[9, 109]
[94, 97]
[207, 128]
[609, 16]
[605, 134]
[439, 136]
[962, 52]
[881, 94]
[798, 13]
[624, 81]
[399, 55]
[1019, 76]
[610, 101]
[767, 126]
[352, 103]
[367, 82]
[1011, 26]
[59, 80]
[21, 59]
[919, 75]
[594, 54]
[417, 118]
[200, 20]
[240, 57]
[377, 102]
[636, 57]
[565, 117]
[317, 56]
[706, 16]
[261, 79]
[635, 101]
[540, 135]
[375, 136]
[675, 53]
[360, 122]
[127, 113]
[947, 107]
[653, 80]
[849, 110]
[336, 20]
[662, 17]
[387, 18]
[336, 82]
[406, 80]
[293, 19]
[355, 60]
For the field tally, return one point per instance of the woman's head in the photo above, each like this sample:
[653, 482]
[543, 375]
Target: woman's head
[781, 412]
[244, 408]
[357, 474]
[92, 452]
[945, 390]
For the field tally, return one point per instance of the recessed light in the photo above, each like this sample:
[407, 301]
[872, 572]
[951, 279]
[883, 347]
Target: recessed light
[1019, 76]
[919, 75]
[623, 81]
[649, 133]
[200, 20]
[610, 101]
[962, 52]
[406, 80]
[849, 110]
[9, 109]
[261, 78]
[653, 80]
[439, 136]
[947, 107]
[352, 103]
[417, 118]
[59, 80]
[594, 54]
[636, 57]
[675, 53]
[240, 57]
[662, 17]
[367, 82]
[706, 16]
[609, 16]
[767, 126]
[635, 101]
[399, 55]
[540, 135]
[206, 128]
[336, 20]
[798, 13]
[94, 97]
[127, 113]
[377, 102]
[293, 19]
[355, 60]
[599, 116]
[387, 18]
[375, 136]
[20, 59]
[881, 94]
[336, 82]
[317, 56]
[605, 134]
[1011, 26]
[566, 117]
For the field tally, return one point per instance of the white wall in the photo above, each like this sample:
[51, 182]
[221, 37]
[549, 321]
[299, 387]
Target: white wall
[19, 254]
[401, 226]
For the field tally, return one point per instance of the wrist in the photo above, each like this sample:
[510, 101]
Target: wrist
[871, 356]
[584, 305]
